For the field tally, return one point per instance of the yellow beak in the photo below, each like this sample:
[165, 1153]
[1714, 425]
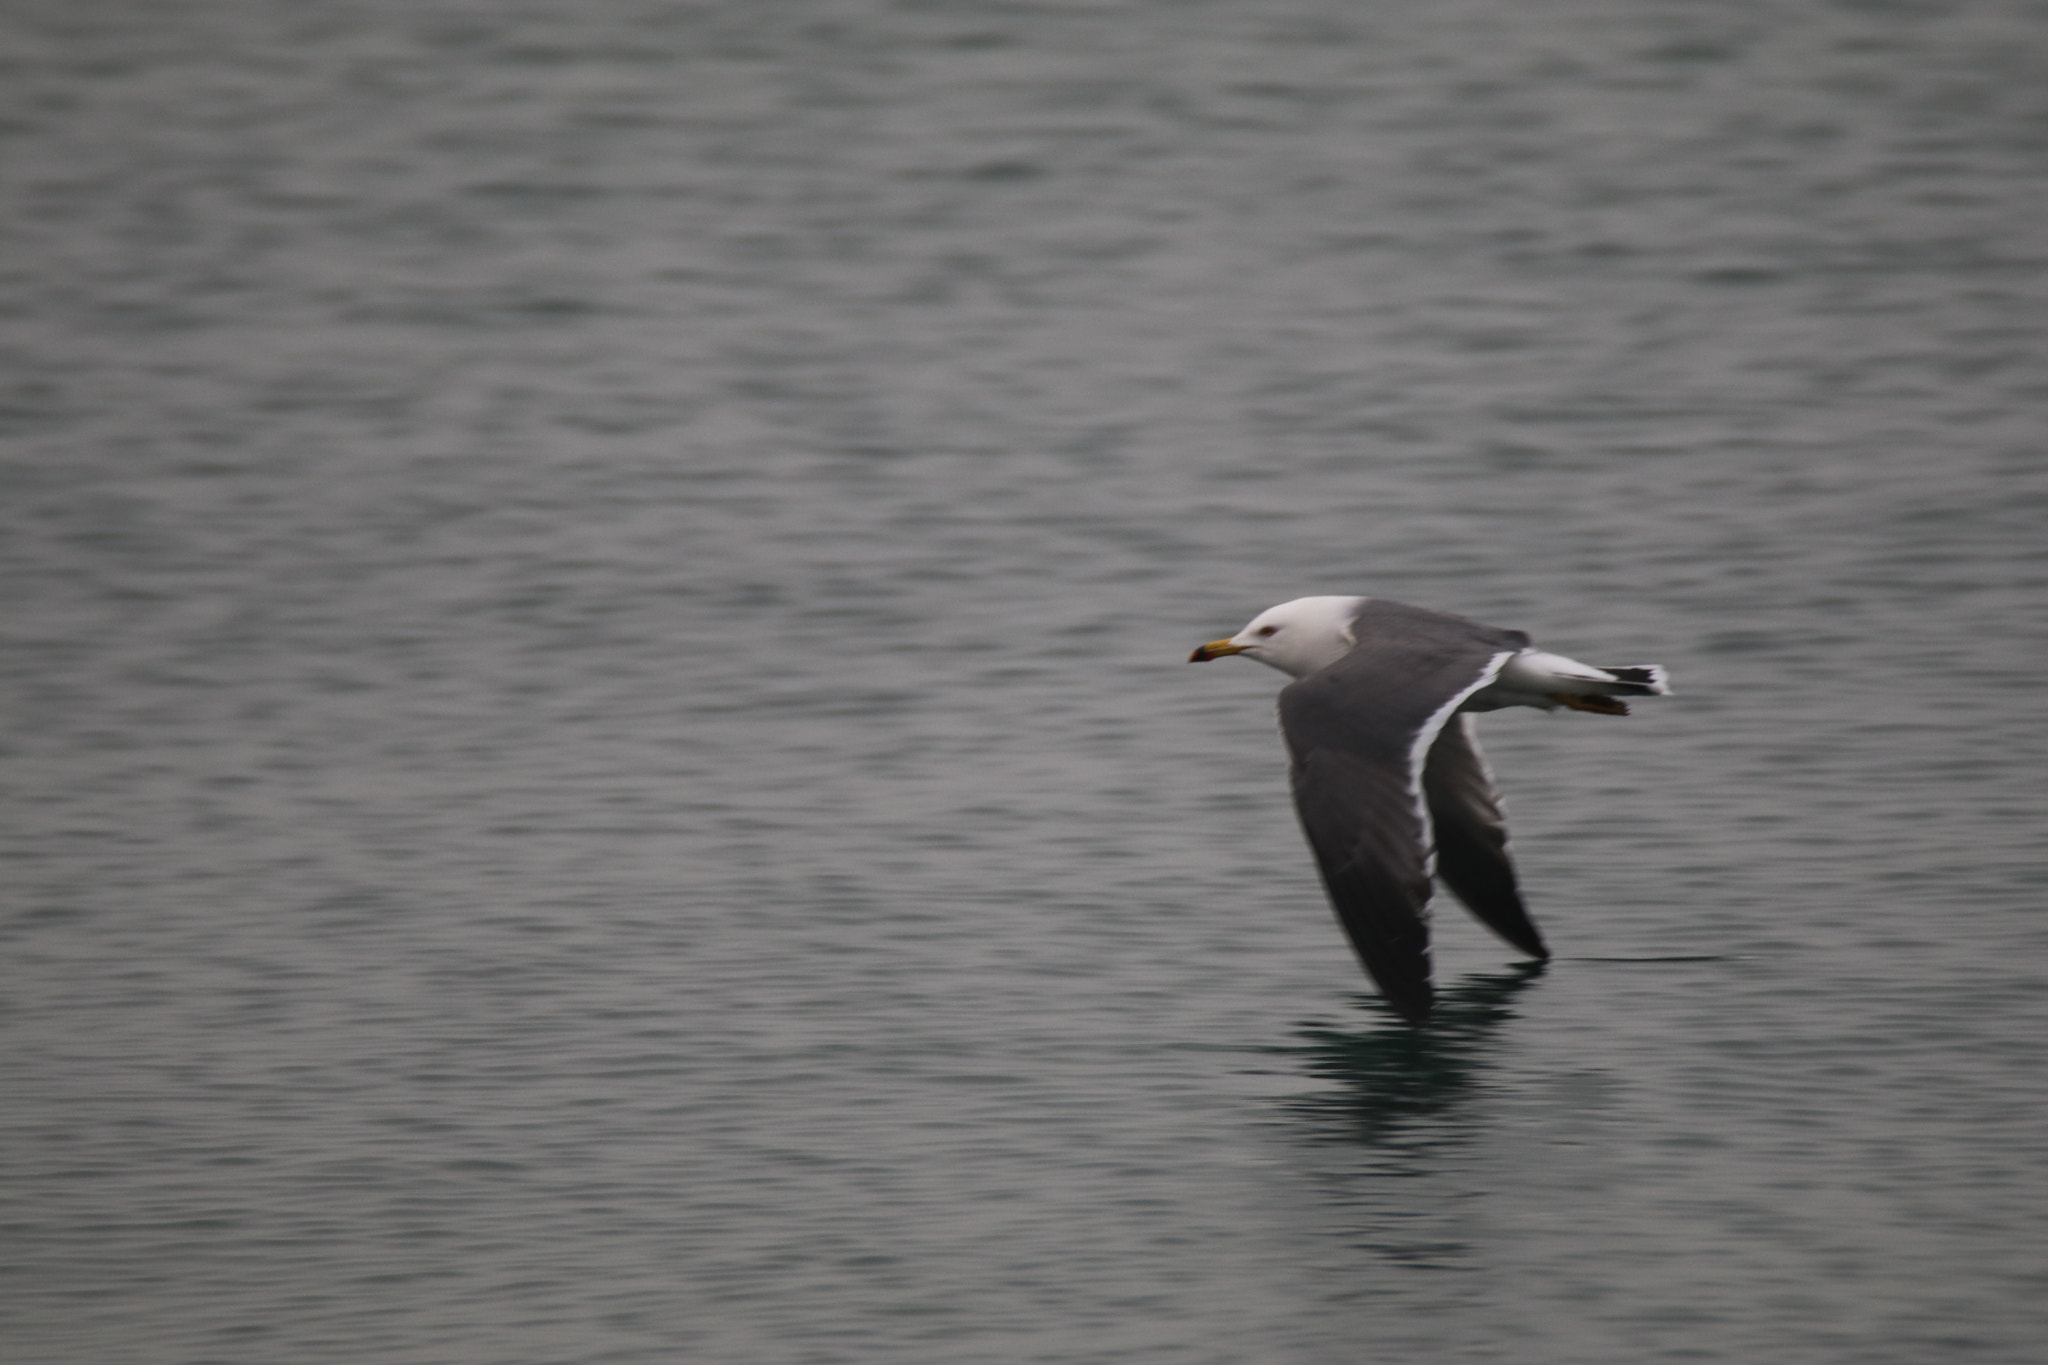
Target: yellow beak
[1215, 649]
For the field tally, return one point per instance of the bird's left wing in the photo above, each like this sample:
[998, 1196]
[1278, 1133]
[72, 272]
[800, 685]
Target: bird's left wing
[1358, 733]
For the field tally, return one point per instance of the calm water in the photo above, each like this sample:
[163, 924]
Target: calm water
[598, 764]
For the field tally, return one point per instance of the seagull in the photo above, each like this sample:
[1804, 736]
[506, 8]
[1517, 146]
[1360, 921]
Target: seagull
[1387, 774]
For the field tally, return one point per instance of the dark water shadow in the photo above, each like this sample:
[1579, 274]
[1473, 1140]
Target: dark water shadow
[1403, 1087]
[1383, 1144]
[1387, 1149]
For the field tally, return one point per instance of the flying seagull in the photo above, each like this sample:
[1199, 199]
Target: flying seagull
[1387, 773]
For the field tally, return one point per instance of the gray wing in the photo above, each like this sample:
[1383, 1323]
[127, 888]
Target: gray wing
[1358, 732]
[1471, 837]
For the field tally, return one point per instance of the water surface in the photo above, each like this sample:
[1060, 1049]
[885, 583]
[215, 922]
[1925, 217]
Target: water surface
[598, 763]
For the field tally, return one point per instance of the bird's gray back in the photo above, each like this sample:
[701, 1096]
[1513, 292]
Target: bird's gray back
[1396, 622]
[1406, 663]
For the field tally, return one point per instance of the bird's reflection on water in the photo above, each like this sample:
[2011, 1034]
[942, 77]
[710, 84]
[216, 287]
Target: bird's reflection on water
[1398, 1085]
[1385, 1140]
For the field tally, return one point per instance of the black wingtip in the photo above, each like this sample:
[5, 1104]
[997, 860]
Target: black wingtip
[1414, 1005]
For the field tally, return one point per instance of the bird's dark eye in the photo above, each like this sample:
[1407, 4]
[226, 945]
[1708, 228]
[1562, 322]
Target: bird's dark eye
[1267, 630]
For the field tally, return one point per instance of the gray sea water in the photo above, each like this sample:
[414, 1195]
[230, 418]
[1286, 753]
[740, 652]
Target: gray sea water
[598, 763]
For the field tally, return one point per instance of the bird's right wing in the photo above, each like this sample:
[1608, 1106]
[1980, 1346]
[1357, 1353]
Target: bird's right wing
[1471, 837]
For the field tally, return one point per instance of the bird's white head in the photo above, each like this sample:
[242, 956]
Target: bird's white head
[1295, 637]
